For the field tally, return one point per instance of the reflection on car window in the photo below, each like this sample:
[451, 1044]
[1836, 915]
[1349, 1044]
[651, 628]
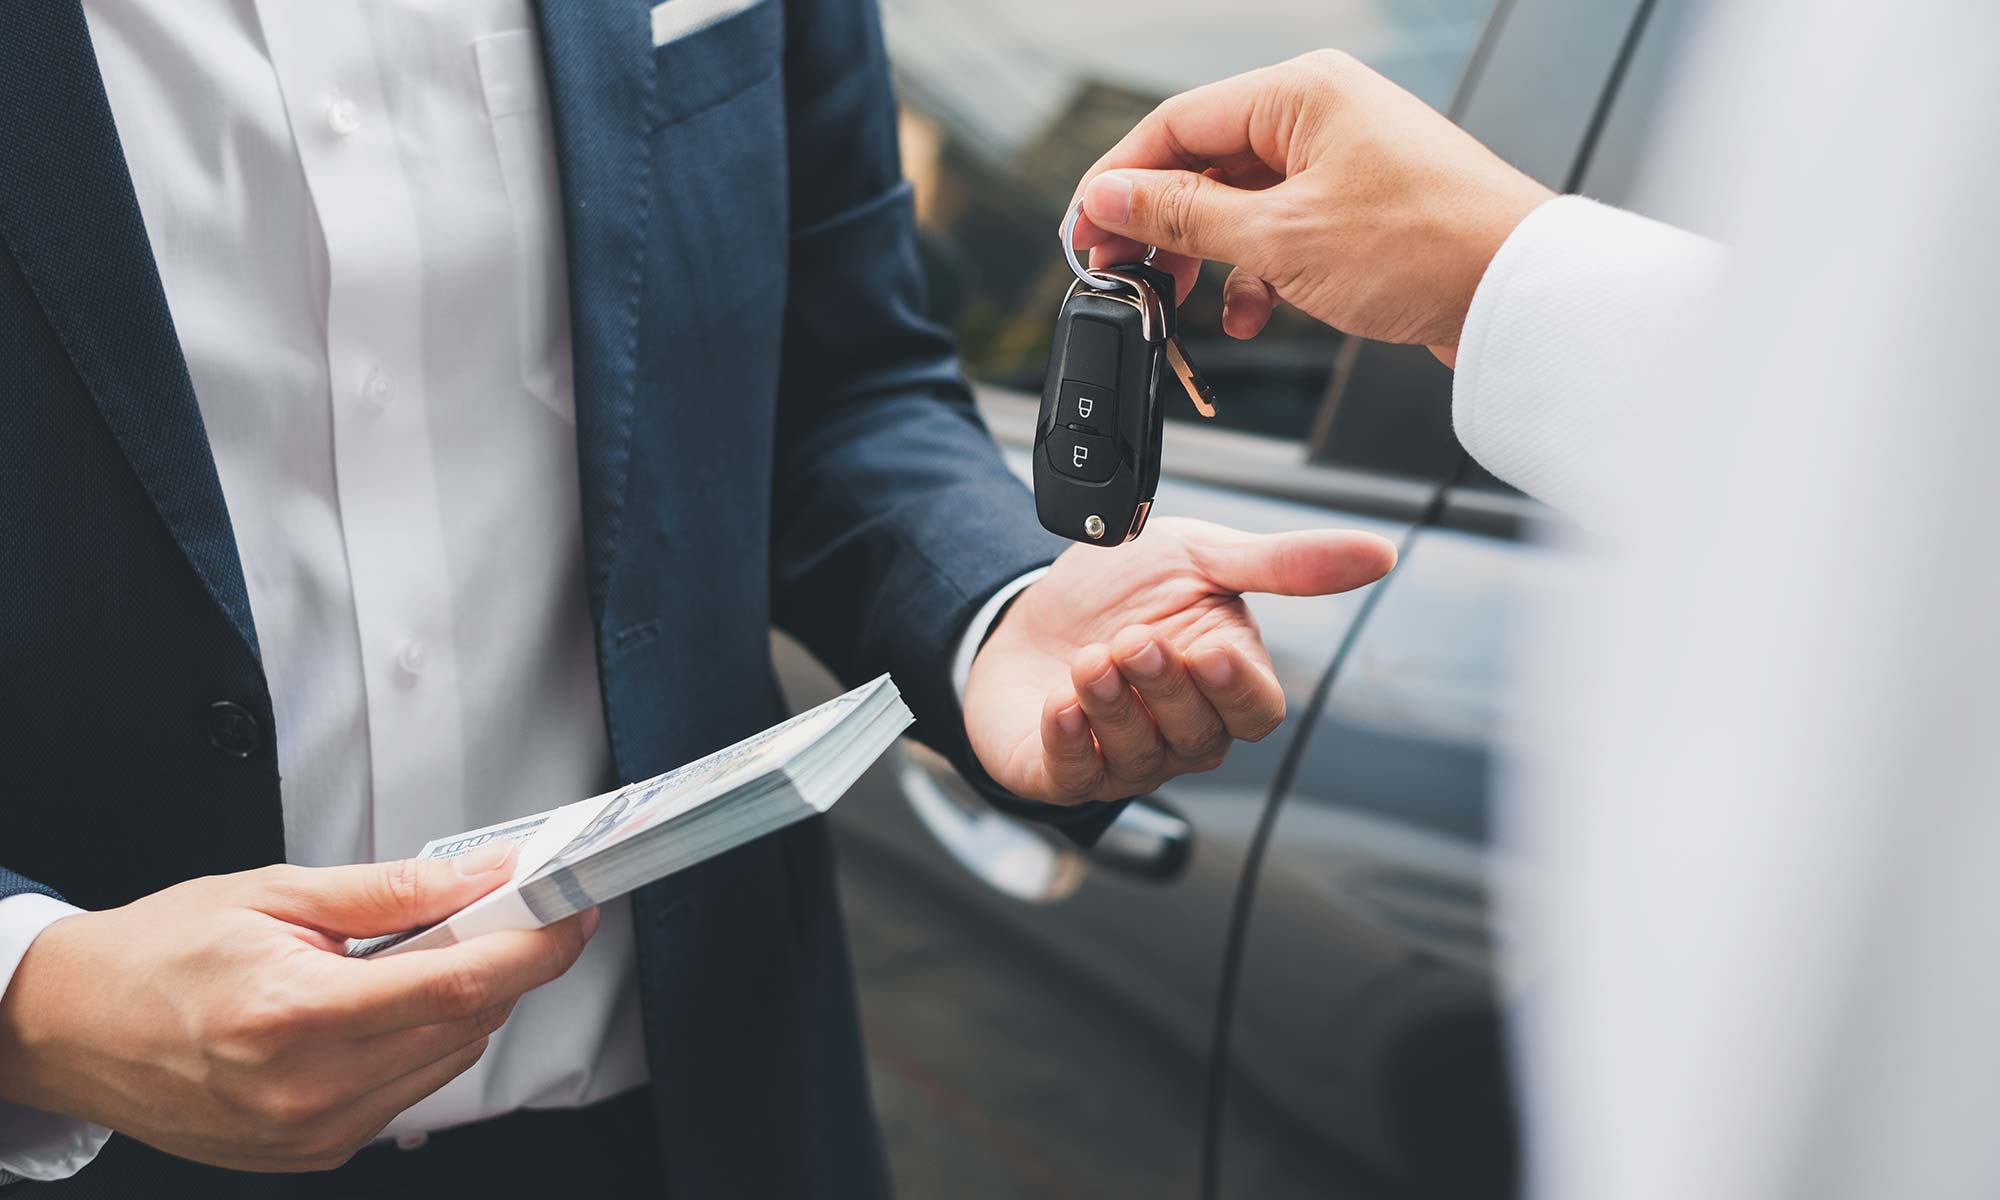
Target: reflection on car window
[1005, 105]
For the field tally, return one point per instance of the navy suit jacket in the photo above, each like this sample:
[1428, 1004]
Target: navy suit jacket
[770, 432]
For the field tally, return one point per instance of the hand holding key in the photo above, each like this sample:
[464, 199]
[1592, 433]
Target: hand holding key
[1326, 186]
[1116, 672]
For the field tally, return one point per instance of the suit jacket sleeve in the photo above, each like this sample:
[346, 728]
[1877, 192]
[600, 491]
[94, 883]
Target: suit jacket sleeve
[893, 516]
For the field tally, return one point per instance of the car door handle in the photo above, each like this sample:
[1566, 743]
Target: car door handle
[1148, 840]
[1006, 855]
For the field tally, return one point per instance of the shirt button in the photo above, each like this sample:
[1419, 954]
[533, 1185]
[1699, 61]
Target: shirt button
[375, 389]
[410, 657]
[232, 730]
[342, 116]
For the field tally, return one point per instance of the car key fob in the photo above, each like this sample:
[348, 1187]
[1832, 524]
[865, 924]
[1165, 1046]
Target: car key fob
[1097, 441]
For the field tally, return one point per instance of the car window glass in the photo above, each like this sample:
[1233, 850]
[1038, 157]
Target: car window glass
[1617, 157]
[1006, 105]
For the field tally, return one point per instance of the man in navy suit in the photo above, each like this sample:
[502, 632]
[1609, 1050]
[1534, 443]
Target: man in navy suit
[412, 415]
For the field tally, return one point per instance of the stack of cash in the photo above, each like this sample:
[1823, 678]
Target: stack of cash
[583, 854]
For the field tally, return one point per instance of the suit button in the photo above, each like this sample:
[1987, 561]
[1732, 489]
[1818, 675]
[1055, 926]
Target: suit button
[232, 730]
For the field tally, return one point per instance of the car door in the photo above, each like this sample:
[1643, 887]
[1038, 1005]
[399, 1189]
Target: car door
[1366, 1013]
[1037, 1018]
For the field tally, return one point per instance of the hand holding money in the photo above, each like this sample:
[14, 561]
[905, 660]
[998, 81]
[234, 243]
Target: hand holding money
[583, 854]
[220, 1020]
[278, 1019]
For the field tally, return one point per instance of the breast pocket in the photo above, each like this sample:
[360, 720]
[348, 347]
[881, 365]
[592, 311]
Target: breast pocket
[510, 73]
[708, 52]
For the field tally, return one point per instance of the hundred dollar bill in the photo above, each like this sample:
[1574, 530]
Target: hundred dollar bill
[580, 855]
[518, 830]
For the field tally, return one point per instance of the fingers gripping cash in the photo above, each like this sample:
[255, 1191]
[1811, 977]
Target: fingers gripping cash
[581, 855]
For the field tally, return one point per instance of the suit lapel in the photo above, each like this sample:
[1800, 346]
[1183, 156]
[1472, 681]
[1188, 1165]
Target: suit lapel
[601, 86]
[69, 216]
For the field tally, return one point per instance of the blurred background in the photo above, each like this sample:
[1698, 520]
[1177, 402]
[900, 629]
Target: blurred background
[1277, 979]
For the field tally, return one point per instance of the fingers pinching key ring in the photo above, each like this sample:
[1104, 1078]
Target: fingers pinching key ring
[1102, 283]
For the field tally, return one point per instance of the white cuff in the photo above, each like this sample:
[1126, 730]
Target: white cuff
[35, 1144]
[1582, 304]
[980, 625]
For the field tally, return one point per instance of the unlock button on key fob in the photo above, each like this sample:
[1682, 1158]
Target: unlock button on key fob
[1081, 455]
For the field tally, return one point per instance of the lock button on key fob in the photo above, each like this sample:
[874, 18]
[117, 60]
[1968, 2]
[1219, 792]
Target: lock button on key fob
[1081, 406]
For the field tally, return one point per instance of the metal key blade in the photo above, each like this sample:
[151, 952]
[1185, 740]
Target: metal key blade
[1197, 387]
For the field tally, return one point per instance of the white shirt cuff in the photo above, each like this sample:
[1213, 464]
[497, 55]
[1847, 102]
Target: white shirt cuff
[980, 625]
[35, 1144]
[1581, 303]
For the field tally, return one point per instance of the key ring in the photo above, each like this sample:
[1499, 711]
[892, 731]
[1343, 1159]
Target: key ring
[1101, 282]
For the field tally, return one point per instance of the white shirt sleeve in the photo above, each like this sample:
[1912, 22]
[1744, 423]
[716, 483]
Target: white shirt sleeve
[981, 624]
[34, 1144]
[1576, 306]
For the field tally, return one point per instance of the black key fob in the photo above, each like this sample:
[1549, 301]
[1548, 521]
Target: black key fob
[1097, 442]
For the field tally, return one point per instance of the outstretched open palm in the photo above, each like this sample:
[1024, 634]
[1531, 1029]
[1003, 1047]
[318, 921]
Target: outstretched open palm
[1122, 668]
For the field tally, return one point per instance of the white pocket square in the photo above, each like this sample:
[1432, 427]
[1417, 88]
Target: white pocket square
[677, 19]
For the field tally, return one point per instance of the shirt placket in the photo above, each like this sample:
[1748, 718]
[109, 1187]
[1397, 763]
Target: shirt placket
[384, 467]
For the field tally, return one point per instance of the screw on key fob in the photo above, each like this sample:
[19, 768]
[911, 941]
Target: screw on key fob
[1097, 442]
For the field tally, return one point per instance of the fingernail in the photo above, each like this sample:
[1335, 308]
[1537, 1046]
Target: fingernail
[1215, 669]
[1146, 662]
[1108, 199]
[1108, 686]
[490, 857]
[1070, 722]
[589, 923]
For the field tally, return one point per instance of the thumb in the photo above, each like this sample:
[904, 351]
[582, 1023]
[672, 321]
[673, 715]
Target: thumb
[1308, 562]
[1183, 212]
[371, 899]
